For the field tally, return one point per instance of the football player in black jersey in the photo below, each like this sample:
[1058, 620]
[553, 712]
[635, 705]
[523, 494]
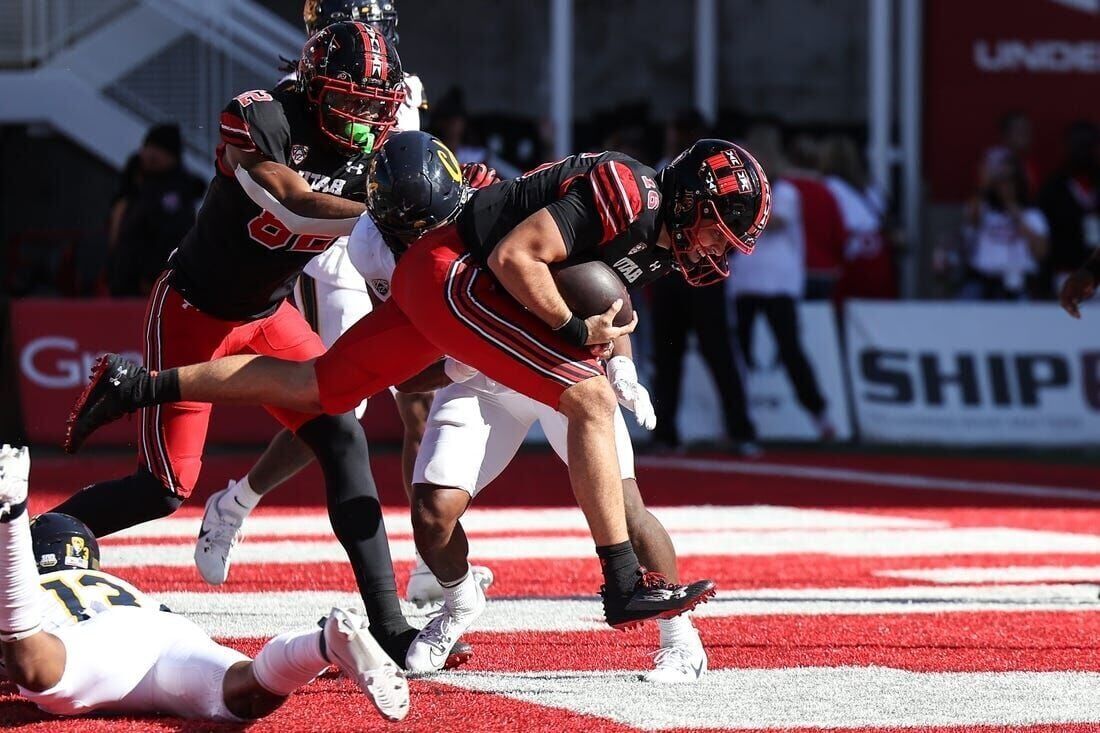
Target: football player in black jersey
[332, 296]
[481, 291]
[291, 176]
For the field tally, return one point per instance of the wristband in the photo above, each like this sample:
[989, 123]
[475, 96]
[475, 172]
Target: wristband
[1092, 267]
[575, 331]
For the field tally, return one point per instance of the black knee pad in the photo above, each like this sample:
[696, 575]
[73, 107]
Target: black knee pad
[337, 437]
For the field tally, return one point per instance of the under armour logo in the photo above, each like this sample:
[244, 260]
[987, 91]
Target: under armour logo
[356, 168]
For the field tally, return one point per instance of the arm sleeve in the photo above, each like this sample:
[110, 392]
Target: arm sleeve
[256, 123]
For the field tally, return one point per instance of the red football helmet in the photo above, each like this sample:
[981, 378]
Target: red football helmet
[351, 73]
[715, 198]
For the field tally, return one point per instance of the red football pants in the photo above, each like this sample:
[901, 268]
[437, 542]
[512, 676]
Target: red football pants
[442, 303]
[177, 334]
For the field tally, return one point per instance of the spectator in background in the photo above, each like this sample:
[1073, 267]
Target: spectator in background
[1014, 147]
[822, 225]
[678, 309]
[1070, 200]
[155, 208]
[450, 123]
[771, 280]
[1005, 238]
[868, 258]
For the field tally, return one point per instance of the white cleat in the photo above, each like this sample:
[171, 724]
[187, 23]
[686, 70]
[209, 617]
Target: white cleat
[349, 643]
[15, 467]
[424, 590]
[678, 664]
[219, 534]
[428, 651]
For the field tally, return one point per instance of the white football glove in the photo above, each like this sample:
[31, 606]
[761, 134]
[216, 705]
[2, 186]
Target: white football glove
[15, 467]
[458, 372]
[631, 394]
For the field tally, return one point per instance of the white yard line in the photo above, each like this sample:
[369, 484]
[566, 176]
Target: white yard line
[230, 614]
[1005, 574]
[811, 697]
[835, 542]
[685, 518]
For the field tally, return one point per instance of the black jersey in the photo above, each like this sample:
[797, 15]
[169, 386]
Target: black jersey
[606, 205]
[239, 262]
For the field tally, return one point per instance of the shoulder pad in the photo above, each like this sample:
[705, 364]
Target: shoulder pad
[619, 196]
[256, 122]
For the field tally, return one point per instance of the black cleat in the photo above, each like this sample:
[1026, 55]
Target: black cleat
[653, 598]
[108, 396]
[398, 648]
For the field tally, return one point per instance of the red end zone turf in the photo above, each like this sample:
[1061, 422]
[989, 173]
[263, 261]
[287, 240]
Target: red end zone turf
[856, 594]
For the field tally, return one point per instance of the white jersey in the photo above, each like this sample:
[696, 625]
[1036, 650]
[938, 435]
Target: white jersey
[72, 596]
[332, 266]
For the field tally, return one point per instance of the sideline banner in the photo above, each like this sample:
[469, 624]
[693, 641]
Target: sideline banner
[56, 342]
[772, 403]
[986, 58]
[974, 373]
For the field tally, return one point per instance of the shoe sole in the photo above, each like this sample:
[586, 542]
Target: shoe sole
[376, 650]
[670, 613]
[98, 370]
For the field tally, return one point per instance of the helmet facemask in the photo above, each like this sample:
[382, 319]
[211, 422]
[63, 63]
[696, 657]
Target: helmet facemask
[355, 118]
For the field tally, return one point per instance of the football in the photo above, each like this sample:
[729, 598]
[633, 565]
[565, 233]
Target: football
[589, 288]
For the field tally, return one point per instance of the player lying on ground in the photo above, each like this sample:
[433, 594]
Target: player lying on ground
[304, 152]
[476, 426]
[77, 640]
[481, 290]
[332, 296]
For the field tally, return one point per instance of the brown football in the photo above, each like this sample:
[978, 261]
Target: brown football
[589, 288]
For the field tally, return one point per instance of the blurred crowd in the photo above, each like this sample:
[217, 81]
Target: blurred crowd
[1022, 236]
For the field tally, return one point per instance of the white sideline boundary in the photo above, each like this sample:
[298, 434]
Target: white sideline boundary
[875, 478]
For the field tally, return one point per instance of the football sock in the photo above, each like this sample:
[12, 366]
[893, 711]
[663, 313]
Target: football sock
[356, 515]
[20, 604]
[462, 595]
[289, 661]
[156, 388]
[242, 494]
[110, 506]
[678, 631]
[620, 567]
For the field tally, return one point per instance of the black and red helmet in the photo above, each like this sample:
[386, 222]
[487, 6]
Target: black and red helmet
[382, 14]
[715, 198]
[352, 75]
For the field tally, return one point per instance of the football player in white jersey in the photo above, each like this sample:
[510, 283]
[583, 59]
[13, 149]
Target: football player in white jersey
[476, 426]
[77, 640]
[332, 296]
